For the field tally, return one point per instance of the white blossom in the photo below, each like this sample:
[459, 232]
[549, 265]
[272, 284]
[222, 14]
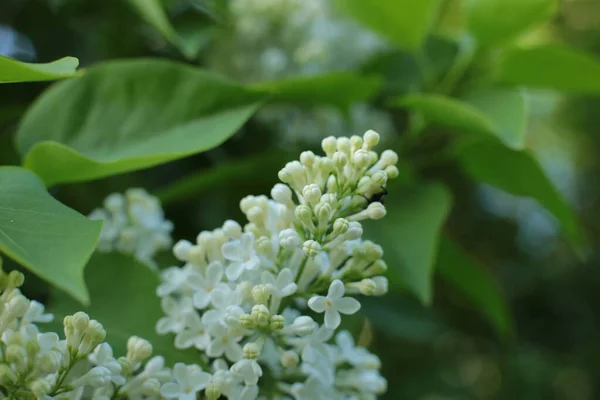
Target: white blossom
[334, 304]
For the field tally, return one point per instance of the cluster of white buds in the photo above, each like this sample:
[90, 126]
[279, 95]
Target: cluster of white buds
[35, 365]
[275, 39]
[272, 39]
[133, 223]
[250, 297]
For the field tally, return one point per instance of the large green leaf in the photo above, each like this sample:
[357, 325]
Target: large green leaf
[500, 113]
[551, 67]
[506, 111]
[342, 89]
[16, 71]
[471, 278]
[128, 115]
[519, 173]
[495, 22]
[124, 301]
[410, 233]
[404, 22]
[43, 235]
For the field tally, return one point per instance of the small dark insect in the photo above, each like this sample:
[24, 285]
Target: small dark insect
[377, 197]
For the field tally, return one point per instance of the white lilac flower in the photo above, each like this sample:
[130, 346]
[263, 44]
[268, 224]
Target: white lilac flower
[334, 304]
[224, 342]
[242, 254]
[205, 285]
[189, 380]
[35, 314]
[194, 334]
[176, 311]
[134, 224]
[103, 357]
[241, 295]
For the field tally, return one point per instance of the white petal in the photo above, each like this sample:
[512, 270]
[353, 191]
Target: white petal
[180, 372]
[214, 273]
[170, 390]
[345, 341]
[200, 379]
[284, 278]
[332, 319]
[247, 243]
[163, 326]
[232, 250]
[234, 270]
[201, 299]
[215, 348]
[288, 290]
[267, 278]
[184, 339]
[346, 305]
[317, 303]
[336, 290]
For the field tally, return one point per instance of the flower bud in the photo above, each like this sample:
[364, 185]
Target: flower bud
[356, 142]
[340, 160]
[251, 350]
[367, 287]
[382, 285]
[329, 145]
[303, 326]
[80, 321]
[371, 138]
[289, 359]
[15, 279]
[355, 231]
[232, 229]
[343, 144]
[138, 349]
[388, 157]
[126, 367]
[361, 159]
[277, 322]
[376, 210]
[49, 362]
[311, 248]
[17, 306]
[212, 391]
[323, 212]
[312, 193]
[307, 158]
[260, 315]
[392, 171]
[304, 214]
[379, 179]
[340, 226]
[289, 239]
[96, 377]
[281, 193]
[379, 267]
[247, 321]
[16, 354]
[181, 250]
[261, 294]
[256, 215]
[151, 387]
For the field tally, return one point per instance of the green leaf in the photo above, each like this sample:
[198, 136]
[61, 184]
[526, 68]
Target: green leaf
[127, 115]
[467, 275]
[519, 173]
[341, 89]
[495, 22]
[500, 113]
[16, 71]
[551, 67]
[506, 110]
[404, 22]
[50, 239]
[410, 232]
[124, 301]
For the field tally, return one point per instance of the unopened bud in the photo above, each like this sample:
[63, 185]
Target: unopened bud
[289, 359]
[138, 349]
[261, 294]
[251, 350]
[260, 315]
[312, 193]
[277, 322]
[311, 248]
[376, 210]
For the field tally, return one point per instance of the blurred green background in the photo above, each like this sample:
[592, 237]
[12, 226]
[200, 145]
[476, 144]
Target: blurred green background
[501, 305]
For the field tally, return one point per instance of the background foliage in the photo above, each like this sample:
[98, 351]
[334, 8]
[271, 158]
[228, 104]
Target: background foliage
[491, 230]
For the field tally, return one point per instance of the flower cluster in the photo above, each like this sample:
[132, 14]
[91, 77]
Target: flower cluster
[274, 39]
[35, 365]
[133, 223]
[262, 301]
